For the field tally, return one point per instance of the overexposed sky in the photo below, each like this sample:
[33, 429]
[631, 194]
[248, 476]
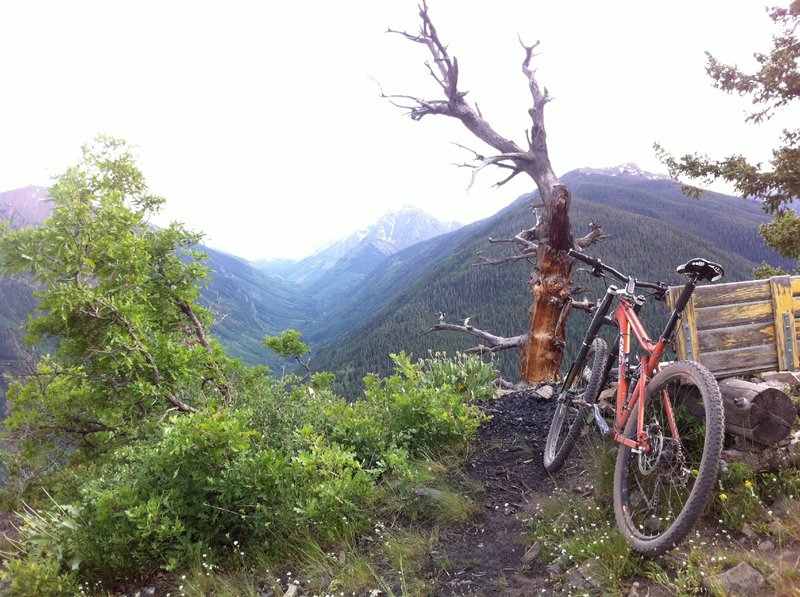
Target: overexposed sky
[262, 123]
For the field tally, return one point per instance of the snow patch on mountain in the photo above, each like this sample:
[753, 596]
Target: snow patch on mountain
[628, 169]
[392, 232]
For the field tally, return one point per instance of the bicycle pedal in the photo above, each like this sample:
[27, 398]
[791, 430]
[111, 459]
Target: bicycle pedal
[598, 418]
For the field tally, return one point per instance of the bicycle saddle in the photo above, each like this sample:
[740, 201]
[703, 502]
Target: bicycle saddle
[700, 269]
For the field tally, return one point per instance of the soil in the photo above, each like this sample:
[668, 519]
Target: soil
[485, 556]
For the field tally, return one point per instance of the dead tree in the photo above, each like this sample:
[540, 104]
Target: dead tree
[546, 242]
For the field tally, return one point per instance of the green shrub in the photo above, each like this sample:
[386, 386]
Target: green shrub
[420, 415]
[467, 374]
[286, 464]
[35, 576]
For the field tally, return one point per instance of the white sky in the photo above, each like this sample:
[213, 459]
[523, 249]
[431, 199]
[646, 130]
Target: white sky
[262, 125]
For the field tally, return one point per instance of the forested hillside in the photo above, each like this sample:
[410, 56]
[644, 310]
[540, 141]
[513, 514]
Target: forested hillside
[367, 304]
[652, 226]
[248, 303]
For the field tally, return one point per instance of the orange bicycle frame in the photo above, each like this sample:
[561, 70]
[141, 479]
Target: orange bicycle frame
[627, 400]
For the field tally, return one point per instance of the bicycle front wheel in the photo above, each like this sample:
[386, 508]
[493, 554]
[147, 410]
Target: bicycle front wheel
[660, 492]
[570, 418]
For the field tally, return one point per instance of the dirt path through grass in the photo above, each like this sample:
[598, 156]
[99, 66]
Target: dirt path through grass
[484, 557]
[487, 555]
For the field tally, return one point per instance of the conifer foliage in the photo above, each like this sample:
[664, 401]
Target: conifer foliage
[774, 86]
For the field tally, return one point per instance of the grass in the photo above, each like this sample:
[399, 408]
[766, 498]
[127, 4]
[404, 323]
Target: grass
[572, 526]
[575, 524]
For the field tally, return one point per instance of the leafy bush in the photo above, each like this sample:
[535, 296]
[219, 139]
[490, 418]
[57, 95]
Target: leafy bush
[35, 576]
[281, 466]
[467, 374]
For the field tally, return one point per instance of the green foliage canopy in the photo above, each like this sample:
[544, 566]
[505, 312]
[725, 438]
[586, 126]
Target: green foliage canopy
[287, 344]
[775, 85]
[116, 306]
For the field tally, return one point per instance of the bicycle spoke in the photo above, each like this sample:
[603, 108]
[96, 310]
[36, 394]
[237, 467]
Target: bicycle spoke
[570, 414]
[663, 489]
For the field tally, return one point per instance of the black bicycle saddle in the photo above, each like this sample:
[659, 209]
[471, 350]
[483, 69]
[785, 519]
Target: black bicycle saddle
[700, 269]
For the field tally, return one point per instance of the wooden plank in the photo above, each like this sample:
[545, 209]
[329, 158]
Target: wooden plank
[730, 315]
[783, 314]
[732, 293]
[796, 285]
[726, 363]
[755, 334]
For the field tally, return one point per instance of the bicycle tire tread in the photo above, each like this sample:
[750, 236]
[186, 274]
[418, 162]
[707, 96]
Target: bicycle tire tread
[709, 466]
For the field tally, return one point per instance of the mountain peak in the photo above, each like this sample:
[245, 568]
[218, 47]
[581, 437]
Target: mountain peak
[406, 226]
[628, 169]
[26, 206]
[392, 232]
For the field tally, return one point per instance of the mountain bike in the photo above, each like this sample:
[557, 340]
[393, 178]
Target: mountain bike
[668, 422]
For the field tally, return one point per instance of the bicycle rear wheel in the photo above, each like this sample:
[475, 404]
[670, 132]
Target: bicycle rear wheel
[569, 418]
[660, 494]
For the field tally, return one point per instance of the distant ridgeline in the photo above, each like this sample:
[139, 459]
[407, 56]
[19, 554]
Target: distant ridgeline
[378, 291]
[640, 211]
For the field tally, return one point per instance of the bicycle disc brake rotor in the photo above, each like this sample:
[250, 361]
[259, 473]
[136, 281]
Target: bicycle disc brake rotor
[649, 462]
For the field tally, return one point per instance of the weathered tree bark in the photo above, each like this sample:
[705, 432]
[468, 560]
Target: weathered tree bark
[546, 242]
[757, 412]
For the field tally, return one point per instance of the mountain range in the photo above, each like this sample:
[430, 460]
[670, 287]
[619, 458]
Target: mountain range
[378, 290]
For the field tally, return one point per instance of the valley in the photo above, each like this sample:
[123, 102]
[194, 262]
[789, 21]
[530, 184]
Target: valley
[377, 291]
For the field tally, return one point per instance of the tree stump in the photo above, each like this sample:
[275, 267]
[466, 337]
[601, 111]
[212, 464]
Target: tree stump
[757, 412]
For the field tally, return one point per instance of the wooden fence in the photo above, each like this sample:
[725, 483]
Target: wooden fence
[742, 327]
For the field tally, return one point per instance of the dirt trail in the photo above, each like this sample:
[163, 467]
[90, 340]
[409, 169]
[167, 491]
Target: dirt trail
[486, 554]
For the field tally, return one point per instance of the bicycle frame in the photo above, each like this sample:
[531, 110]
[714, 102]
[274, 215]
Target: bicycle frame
[626, 318]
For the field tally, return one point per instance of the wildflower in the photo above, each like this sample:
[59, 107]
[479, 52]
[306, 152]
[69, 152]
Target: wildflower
[748, 484]
[723, 497]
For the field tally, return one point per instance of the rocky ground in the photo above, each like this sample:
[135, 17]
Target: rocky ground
[495, 554]
[508, 462]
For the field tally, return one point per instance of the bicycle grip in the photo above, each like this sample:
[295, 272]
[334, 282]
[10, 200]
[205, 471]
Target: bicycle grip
[585, 258]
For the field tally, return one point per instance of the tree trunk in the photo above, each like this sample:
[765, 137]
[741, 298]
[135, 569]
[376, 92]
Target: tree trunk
[542, 356]
[543, 348]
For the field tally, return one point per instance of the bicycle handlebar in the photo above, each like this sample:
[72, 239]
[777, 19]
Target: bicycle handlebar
[598, 267]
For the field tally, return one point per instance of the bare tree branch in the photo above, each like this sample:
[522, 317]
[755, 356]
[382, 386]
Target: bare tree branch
[490, 342]
[509, 259]
[584, 305]
[595, 235]
[500, 183]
